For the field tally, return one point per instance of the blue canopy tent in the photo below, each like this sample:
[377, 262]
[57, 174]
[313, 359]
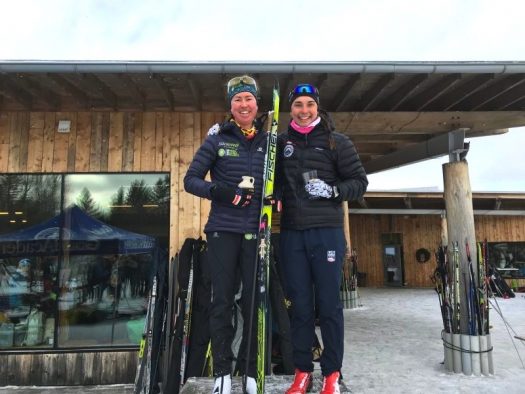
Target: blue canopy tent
[74, 232]
[78, 233]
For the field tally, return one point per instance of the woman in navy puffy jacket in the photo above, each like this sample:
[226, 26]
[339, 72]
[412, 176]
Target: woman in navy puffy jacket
[231, 151]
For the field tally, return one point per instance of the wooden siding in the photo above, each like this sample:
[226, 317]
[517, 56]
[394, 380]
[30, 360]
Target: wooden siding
[67, 369]
[113, 142]
[419, 231]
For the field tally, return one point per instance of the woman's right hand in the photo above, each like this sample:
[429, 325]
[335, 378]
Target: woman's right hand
[240, 197]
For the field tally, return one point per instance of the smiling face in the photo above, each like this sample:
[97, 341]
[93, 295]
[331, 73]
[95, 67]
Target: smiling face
[304, 110]
[244, 109]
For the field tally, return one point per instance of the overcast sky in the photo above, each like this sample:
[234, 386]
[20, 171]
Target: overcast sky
[290, 30]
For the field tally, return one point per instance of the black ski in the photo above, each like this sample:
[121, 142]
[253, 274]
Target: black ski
[186, 325]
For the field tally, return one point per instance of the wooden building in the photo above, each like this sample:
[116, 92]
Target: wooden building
[135, 117]
[413, 221]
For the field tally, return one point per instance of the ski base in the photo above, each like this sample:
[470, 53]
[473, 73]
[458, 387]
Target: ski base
[274, 384]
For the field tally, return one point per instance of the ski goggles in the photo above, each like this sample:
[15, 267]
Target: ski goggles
[244, 83]
[304, 89]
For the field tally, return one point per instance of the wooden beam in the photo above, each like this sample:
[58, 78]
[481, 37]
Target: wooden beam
[287, 86]
[516, 94]
[390, 138]
[403, 93]
[474, 102]
[133, 90]
[105, 91]
[381, 148]
[344, 93]
[70, 88]
[11, 90]
[426, 123]
[462, 91]
[195, 91]
[320, 81]
[373, 95]
[517, 106]
[434, 147]
[423, 99]
[166, 92]
[42, 93]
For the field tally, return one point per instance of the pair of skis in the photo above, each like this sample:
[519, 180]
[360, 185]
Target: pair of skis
[261, 278]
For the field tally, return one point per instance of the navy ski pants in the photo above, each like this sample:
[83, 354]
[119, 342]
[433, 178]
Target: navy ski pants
[231, 255]
[312, 262]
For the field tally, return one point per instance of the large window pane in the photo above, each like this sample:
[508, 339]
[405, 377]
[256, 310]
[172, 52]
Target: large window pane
[28, 259]
[79, 260]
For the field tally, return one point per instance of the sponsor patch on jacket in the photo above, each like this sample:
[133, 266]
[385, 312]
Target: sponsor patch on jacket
[288, 150]
[228, 152]
[228, 149]
[330, 256]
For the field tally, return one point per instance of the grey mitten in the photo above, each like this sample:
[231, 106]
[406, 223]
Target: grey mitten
[317, 188]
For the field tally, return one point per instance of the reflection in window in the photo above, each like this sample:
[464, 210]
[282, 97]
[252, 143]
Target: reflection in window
[74, 266]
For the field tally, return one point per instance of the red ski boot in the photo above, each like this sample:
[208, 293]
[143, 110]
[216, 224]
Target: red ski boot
[331, 383]
[302, 383]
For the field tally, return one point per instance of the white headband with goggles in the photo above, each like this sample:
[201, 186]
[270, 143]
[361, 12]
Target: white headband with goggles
[244, 83]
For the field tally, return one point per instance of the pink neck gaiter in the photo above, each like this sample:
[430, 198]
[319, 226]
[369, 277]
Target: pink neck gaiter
[305, 129]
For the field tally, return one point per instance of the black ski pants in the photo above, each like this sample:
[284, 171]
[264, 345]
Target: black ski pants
[312, 261]
[231, 255]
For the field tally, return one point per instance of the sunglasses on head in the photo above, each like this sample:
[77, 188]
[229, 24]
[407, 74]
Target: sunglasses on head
[303, 88]
[236, 82]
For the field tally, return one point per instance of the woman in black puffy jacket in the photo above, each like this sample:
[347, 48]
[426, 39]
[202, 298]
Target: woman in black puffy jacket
[232, 152]
[318, 168]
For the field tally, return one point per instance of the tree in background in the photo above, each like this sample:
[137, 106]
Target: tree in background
[139, 195]
[87, 204]
[119, 199]
[37, 197]
[161, 194]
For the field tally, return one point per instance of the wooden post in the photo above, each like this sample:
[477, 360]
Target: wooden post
[460, 228]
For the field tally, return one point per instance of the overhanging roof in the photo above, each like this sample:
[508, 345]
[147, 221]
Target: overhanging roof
[433, 203]
[383, 106]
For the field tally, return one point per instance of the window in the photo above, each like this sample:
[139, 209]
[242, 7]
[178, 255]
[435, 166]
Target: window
[508, 258]
[76, 255]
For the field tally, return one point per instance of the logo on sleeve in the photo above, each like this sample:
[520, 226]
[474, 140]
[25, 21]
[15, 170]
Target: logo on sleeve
[288, 150]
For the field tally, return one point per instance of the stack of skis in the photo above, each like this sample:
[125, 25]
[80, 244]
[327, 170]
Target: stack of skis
[178, 302]
[466, 336]
[148, 371]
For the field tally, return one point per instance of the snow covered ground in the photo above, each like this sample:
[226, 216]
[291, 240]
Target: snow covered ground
[393, 345]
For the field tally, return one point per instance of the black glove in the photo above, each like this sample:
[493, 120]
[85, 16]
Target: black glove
[237, 196]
